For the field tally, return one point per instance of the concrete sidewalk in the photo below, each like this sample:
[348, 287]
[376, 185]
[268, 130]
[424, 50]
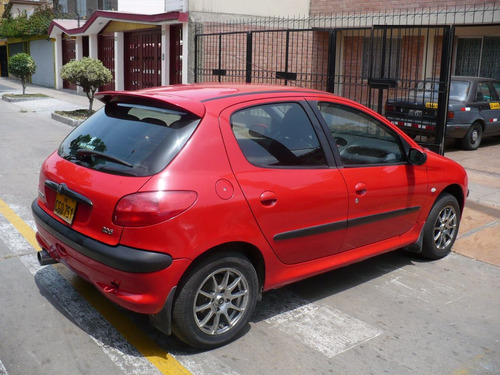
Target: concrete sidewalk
[479, 236]
[68, 97]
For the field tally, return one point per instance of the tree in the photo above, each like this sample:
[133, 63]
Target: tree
[88, 73]
[24, 26]
[22, 66]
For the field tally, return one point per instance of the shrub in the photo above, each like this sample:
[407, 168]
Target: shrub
[90, 74]
[22, 66]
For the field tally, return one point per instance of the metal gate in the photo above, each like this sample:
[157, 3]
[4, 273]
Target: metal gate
[106, 54]
[142, 59]
[281, 57]
[68, 54]
[370, 65]
[175, 74]
[402, 72]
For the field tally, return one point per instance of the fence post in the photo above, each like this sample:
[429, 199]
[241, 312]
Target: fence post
[249, 57]
[444, 86]
[332, 48]
[196, 62]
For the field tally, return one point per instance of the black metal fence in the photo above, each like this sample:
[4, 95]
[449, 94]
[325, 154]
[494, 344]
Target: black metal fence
[349, 55]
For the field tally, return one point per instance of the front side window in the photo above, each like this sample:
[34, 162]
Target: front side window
[496, 87]
[361, 139]
[483, 93]
[277, 135]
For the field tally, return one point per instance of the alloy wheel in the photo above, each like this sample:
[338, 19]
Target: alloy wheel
[445, 227]
[221, 301]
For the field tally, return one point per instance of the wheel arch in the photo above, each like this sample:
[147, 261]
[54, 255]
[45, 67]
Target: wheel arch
[457, 192]
[250, 251]
[481, 121]
[163, 320]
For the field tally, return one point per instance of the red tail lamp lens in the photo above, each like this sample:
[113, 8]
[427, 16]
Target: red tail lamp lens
[152, 207]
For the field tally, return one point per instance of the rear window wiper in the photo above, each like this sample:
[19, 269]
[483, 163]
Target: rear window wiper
[84, 152]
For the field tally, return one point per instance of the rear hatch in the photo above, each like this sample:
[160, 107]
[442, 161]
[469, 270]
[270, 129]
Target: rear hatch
[111, 155]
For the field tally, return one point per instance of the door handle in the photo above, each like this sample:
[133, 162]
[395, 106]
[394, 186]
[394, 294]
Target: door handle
[268, 198]
[360, 188]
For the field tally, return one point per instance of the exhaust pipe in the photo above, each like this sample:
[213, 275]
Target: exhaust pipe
[44, 258]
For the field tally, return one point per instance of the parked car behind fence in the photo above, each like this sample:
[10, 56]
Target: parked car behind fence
[473, 110]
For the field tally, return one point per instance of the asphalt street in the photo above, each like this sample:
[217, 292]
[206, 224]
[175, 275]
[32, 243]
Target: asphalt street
[393, 314]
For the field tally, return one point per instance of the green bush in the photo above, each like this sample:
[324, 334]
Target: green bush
[22, 66]
[23, 25]
[90, 74]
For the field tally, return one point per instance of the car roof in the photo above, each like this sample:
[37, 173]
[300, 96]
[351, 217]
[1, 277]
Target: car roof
[192, 97]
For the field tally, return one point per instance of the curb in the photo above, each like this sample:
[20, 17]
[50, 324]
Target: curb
[66, 120]
[6, 98]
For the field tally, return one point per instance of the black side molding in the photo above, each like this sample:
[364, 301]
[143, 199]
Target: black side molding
[340, 225]
[120, 257]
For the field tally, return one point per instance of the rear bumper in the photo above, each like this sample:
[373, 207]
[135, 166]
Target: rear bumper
[426, 128]
[135, 279]
[122, 258]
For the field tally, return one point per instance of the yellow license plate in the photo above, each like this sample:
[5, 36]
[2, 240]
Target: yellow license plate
[65, 208]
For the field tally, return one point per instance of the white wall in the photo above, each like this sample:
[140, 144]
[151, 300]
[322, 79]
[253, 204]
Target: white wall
[142, 6]
[273, 8]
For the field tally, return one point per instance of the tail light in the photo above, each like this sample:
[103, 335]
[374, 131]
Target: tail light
[451, 114]
[389, 108]
[152, 207]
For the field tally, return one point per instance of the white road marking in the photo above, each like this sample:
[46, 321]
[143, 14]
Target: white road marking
[119, 350]
[320, 327]
[3, 370]
[205, 364]
[407, 285]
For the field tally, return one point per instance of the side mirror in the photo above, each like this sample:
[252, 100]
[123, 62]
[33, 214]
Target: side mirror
[416, 157]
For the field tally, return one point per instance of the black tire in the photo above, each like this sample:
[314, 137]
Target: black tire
[473, 138]
[441, 227]
[208, 314]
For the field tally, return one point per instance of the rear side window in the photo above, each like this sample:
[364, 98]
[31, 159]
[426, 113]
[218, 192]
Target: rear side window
[459, 90]
[277, 135]
[129, 139]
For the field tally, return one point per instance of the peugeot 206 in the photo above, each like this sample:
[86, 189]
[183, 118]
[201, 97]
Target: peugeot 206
[187, 202]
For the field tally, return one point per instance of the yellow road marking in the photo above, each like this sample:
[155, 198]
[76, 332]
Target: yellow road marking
[147, 347]
[19, 224]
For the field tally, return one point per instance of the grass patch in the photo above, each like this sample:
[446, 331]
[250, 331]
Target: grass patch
[78, 114]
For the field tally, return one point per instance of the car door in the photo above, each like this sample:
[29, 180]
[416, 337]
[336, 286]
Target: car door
[490, 106]
[385, 193]
[278, 156]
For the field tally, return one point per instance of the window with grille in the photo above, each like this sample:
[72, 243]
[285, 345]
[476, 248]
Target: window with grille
[373, 57]
[478, 57]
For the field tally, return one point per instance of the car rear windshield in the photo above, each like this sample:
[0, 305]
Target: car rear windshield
[129, 139]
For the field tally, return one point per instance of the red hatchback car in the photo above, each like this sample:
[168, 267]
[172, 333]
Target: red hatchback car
[187, 202]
